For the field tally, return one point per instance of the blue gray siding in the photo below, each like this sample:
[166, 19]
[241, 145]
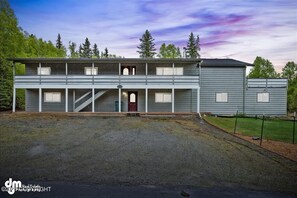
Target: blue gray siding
[222, 79]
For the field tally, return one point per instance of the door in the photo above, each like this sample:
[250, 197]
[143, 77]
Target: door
[132, 101]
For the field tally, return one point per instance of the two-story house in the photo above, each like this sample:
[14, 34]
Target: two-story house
[218, 86]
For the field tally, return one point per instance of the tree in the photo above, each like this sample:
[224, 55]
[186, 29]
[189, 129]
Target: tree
[80, 51]
[262, 69]
[96, 51]
[193, 46]
[59, 42]
[290, 71]
[86, 49]
[72, 49]
[147, 46]
[169, 51]
[105, 54]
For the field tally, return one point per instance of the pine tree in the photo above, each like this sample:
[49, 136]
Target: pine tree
[96, 51]
[105, 54]
[86, 49]
[193, 47]
[59, 42]
[72, 50]
[147, 46]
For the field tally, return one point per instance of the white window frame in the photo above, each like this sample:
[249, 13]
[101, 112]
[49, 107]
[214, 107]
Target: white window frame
[263, 97]
[43, 71]
[52, 96]
[163, 97]
[168, 71]
[222, 97]
[89, 71]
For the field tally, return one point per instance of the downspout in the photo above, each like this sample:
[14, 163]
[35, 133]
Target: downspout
[198, 99]
[244, 87]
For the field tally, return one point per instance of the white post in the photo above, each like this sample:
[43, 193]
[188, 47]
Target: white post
[120, 98]
[14, 99]
[146, 69]
[14, 90]
[40, 100]
[146, 100]
[66, 99]
[173, 73]
[172, 100]
[66, 69]
[93, 100]
[198, 100]
[119, 69]
[73, 97]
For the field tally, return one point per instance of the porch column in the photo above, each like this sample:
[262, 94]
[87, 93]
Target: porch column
[14, 99]
[14, 90]
[146, 100]
[120, 98]
[73, 97]
[66, 100]
[198, 100]
[172, 100]
[40, 100]
[93, 100]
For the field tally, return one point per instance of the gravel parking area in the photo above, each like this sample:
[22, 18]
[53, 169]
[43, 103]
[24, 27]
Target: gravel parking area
[136, 151]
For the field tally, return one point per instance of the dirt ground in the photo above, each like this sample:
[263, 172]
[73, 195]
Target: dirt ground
[136, 151]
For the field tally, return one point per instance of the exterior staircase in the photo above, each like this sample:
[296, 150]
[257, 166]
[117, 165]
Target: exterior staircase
[87, 100]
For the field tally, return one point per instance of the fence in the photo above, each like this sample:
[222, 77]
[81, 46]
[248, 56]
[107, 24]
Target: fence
[263, 127]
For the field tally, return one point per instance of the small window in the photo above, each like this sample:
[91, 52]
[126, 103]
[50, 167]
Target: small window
[43, 71]
[221, 97]
[163, 97]
[132, 97]
[52, 97]
[263, 97]
[169, 71]
[125, 71]
[91, 70]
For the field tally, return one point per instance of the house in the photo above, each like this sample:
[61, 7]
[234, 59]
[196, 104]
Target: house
[218, 86]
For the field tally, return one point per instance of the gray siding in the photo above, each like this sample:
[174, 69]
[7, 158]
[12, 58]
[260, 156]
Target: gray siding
[32, 101]
[277, 104]
[222, 79]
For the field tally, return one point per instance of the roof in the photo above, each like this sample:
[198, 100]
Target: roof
[205, 61]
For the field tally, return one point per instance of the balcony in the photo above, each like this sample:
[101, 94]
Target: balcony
[105, 81]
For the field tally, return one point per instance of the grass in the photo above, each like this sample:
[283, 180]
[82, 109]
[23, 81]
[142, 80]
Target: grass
[275, 129]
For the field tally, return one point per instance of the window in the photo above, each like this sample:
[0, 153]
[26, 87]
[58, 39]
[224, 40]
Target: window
[169, 71]
[91, 70]
[221, 97]
[263, 97]
[162, 97]
[43, 71]
[52, 97]
[125, 71]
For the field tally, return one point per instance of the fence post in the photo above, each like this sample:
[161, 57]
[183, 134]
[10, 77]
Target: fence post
[262, 130]
[235, 122]
[294, 127]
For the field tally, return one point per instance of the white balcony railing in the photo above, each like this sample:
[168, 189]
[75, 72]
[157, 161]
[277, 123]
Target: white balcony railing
[105, 79]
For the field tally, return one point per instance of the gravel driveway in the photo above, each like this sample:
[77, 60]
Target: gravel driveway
[136, 151]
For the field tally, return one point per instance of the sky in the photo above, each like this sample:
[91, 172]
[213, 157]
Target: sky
[234, 29]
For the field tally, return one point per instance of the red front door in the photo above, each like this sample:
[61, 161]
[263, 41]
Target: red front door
[132, 101]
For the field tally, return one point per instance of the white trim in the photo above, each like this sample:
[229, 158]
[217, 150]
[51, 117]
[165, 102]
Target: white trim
[93, 100]
[14, 99]
[66, 100]
[146, 100]
[40, 100]
[120, 98]
[172, 101]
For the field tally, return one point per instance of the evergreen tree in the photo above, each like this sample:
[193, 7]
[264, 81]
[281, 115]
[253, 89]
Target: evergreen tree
[72, 50]
[147, 46]
[86, 49]
[59, 42]
[262, 69]
[96, 51]
[105, 54]
[193, 47]
[169, 51]
[80, 51]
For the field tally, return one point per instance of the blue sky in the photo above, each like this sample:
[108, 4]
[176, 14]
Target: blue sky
[229, 28]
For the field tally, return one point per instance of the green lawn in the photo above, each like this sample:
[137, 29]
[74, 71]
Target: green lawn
[279, 130]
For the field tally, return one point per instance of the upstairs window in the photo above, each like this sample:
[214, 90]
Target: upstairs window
[91, 70]
[162, 97]
[221, 97]
[43, 71]
[52, 96]
[169, 71]
[263, 97]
